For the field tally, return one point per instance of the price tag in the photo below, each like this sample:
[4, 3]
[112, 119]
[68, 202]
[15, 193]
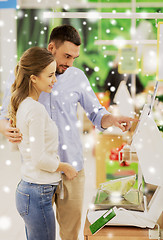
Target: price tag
[128, 62]
[159, 71]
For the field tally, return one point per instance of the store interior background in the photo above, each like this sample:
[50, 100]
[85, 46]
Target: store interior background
[26, 26]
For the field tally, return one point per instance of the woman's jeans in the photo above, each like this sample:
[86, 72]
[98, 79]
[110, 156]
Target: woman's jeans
[34, 204]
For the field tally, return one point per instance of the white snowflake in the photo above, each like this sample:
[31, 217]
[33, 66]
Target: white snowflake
[88, 88]
[8, 162]
[55, 93]
[6, 189]
[66, 6]
[1, 23]
[152, 170]
[87, 145]
[5, 223]
[110, 129]
[67, 128]
[95, 110]
[91, 206]
[78, 124]
[74, 163]
[32, 139]
[28, 150]
[64, 147]
[112, 89]
[113, 22]
[93, 16]
[96, 69]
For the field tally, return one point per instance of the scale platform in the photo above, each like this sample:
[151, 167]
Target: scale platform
[102, 201]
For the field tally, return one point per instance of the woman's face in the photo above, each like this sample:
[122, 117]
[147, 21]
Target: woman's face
[46, 79]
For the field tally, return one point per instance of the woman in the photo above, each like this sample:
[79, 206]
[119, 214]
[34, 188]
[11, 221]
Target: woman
[40, 163]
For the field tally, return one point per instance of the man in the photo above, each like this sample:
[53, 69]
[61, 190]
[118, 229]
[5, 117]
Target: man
[72, 87]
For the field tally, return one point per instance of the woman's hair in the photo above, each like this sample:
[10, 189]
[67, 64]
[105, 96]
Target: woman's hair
[64, 33]
[32, 62]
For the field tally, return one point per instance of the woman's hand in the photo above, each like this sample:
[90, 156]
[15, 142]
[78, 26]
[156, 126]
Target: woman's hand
[68, 170]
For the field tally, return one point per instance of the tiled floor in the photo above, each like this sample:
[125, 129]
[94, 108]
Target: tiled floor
[11, 224]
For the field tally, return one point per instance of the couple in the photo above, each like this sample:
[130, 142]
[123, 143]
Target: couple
[41, 115]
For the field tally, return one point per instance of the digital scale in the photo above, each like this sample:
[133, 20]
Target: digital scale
[148, 144]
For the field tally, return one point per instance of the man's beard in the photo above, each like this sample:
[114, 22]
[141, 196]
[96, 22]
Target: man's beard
[61, 70]
[58, 71]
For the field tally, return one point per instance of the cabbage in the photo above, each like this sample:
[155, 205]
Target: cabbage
[121, 185]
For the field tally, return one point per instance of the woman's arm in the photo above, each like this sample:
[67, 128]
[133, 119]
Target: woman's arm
[69, 171]
[40, 157]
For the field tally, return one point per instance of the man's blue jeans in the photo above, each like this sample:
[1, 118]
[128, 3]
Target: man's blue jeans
[34, 204]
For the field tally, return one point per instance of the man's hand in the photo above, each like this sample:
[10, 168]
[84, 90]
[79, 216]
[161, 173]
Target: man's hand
[12, 134]
[124, 123]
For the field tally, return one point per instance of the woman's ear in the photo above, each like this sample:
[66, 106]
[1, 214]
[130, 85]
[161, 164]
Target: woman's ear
[33, 78]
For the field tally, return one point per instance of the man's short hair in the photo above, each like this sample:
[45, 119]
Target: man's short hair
[64, 33]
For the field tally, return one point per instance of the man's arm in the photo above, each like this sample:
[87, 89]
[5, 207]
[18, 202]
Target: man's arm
[12, 134]
[3, 125]
[99, 116]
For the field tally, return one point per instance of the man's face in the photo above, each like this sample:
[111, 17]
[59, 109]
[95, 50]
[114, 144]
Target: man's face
[65, 55]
